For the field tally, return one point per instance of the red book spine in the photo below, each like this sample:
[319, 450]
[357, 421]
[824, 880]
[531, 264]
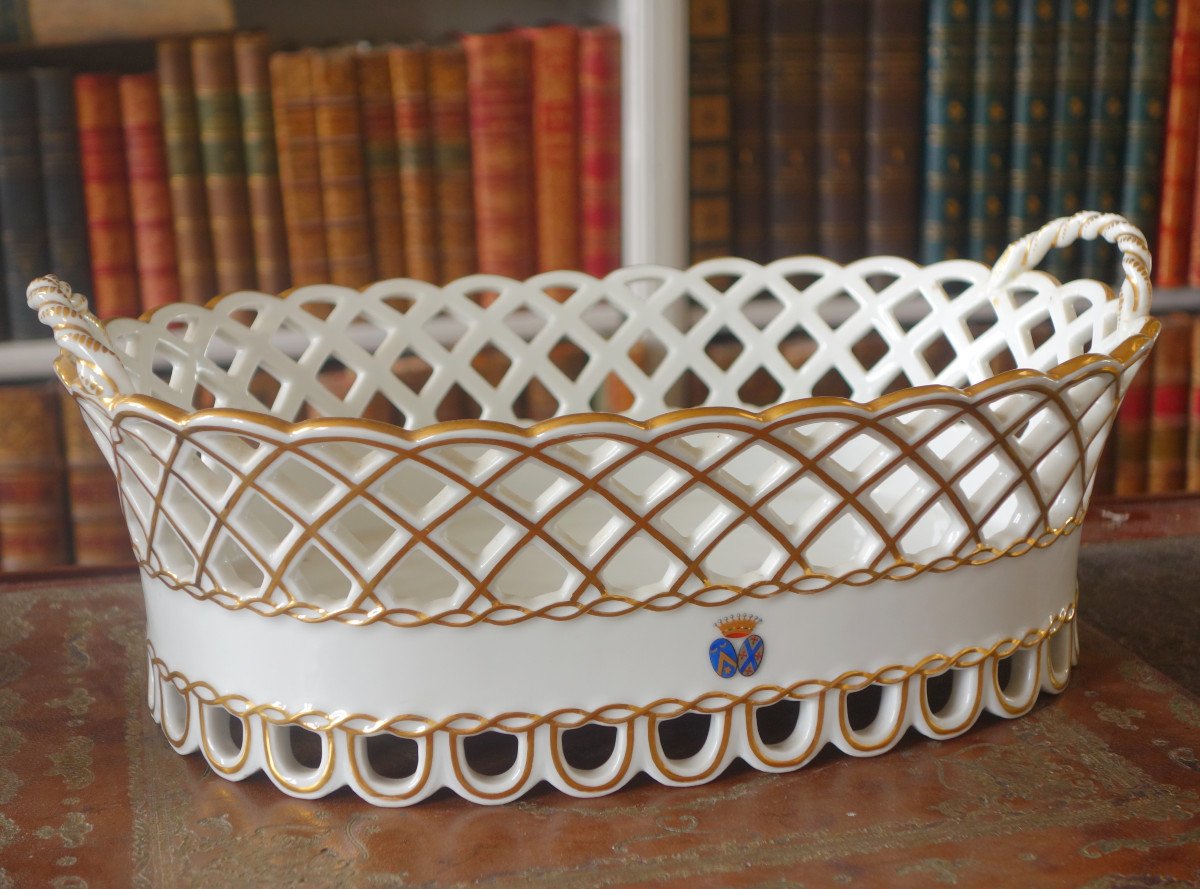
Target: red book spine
[106, 196]
[600, 148]
[414, 149]
[149, 190]
[33, 512]
[1133, 434]
[1179, 155]
[498, 87]
[449, 119]
[380, 164]
[1167, 461]
[1193, 436]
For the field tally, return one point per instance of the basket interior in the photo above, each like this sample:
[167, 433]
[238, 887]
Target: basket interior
[642, 341]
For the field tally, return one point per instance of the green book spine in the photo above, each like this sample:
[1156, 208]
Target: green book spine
[1033, 98]
[1069, 130]
[991, 130]
[1106, 143]
[949, 60]
[709, 129]
[24, 234]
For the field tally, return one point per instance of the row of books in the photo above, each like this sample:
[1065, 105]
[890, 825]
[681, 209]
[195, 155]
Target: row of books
[934, 129]
[231, 166]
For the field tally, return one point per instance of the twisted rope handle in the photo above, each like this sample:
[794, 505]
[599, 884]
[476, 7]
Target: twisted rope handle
[80, 337]
[1024, 255]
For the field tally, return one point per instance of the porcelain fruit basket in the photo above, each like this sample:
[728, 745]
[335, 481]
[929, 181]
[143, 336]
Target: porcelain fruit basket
[323, 590]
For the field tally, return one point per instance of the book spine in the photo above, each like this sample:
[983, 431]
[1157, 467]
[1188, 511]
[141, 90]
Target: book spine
[748, 128]
[554, 66]
[220, 125]
[414, 141]
[949, 59]
[299, 167]
[23, 235]
[1167, 461]
[343, 180]
[710, 177]
[1193, 434]
[1144, 135]
[32, 511]
[1033, 98]
[991, 130]
[381, 163]
[189, 208]
[841, 138]
[498, 88]
[449, 119]
[1106, 141]
[98, 531]
[62, 186]
[600, 149]
[895, 71]
[791, 116]
[1132, 433]
[250, 54]
[1179, 150]
[106, 196]
[149, 191]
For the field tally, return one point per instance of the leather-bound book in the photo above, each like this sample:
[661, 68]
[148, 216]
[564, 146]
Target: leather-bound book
[149, 191]
[1106, 140]
[710, 158]
[748, 129]
[555, 70]
[98, 530]
[299, 166]
[895, 83]
[106, 196]
[33, 519]
[791, 124]
[1033, 99]
[1166, 467]
[381, 162]
[1179, 152]
[220, 122]
[189, 206]
[600, 149]
[251, 49]
[841, 138]
[343, 177]
[414, 144]
[62, 184]
[498, 88]
[23, 236]
[991, 130]
[950, 57]
[1193, 434]
[1132, 433]
[449, 121]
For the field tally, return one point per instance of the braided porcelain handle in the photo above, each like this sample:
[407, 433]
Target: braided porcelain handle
[1024, 255]
[80, 335]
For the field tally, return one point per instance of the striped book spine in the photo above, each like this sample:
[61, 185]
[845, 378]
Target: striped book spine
[1033, 98]
[1132, 434]
[414, 143]
[379, 157]
[1193, 436]
[98, 532]
[949, 60]
[841, 140]
[600, 149]
[710, 177]
[220, 125]
[62, 186]
[1166, 468]
[991, 130]
[1179, 151]
[791, 63]
[749, 135]
[450, 125]
[498, 87]
[1106, 142]
[299, 166]
[250, 53]
[106, 196]
[23, 236]
[32, 509]
[343, 179]
[189, 207]
[149, 190]
[555, 120]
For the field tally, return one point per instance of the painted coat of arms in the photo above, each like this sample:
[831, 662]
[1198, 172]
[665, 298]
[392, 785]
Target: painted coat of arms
[740, 649]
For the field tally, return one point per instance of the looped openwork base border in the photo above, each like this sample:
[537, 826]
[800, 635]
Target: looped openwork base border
[194, 716]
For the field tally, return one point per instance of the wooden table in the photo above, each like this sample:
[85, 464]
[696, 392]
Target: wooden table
[1098, 787]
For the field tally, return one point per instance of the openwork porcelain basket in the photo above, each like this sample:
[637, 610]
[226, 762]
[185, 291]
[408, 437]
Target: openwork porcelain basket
[352, 602]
